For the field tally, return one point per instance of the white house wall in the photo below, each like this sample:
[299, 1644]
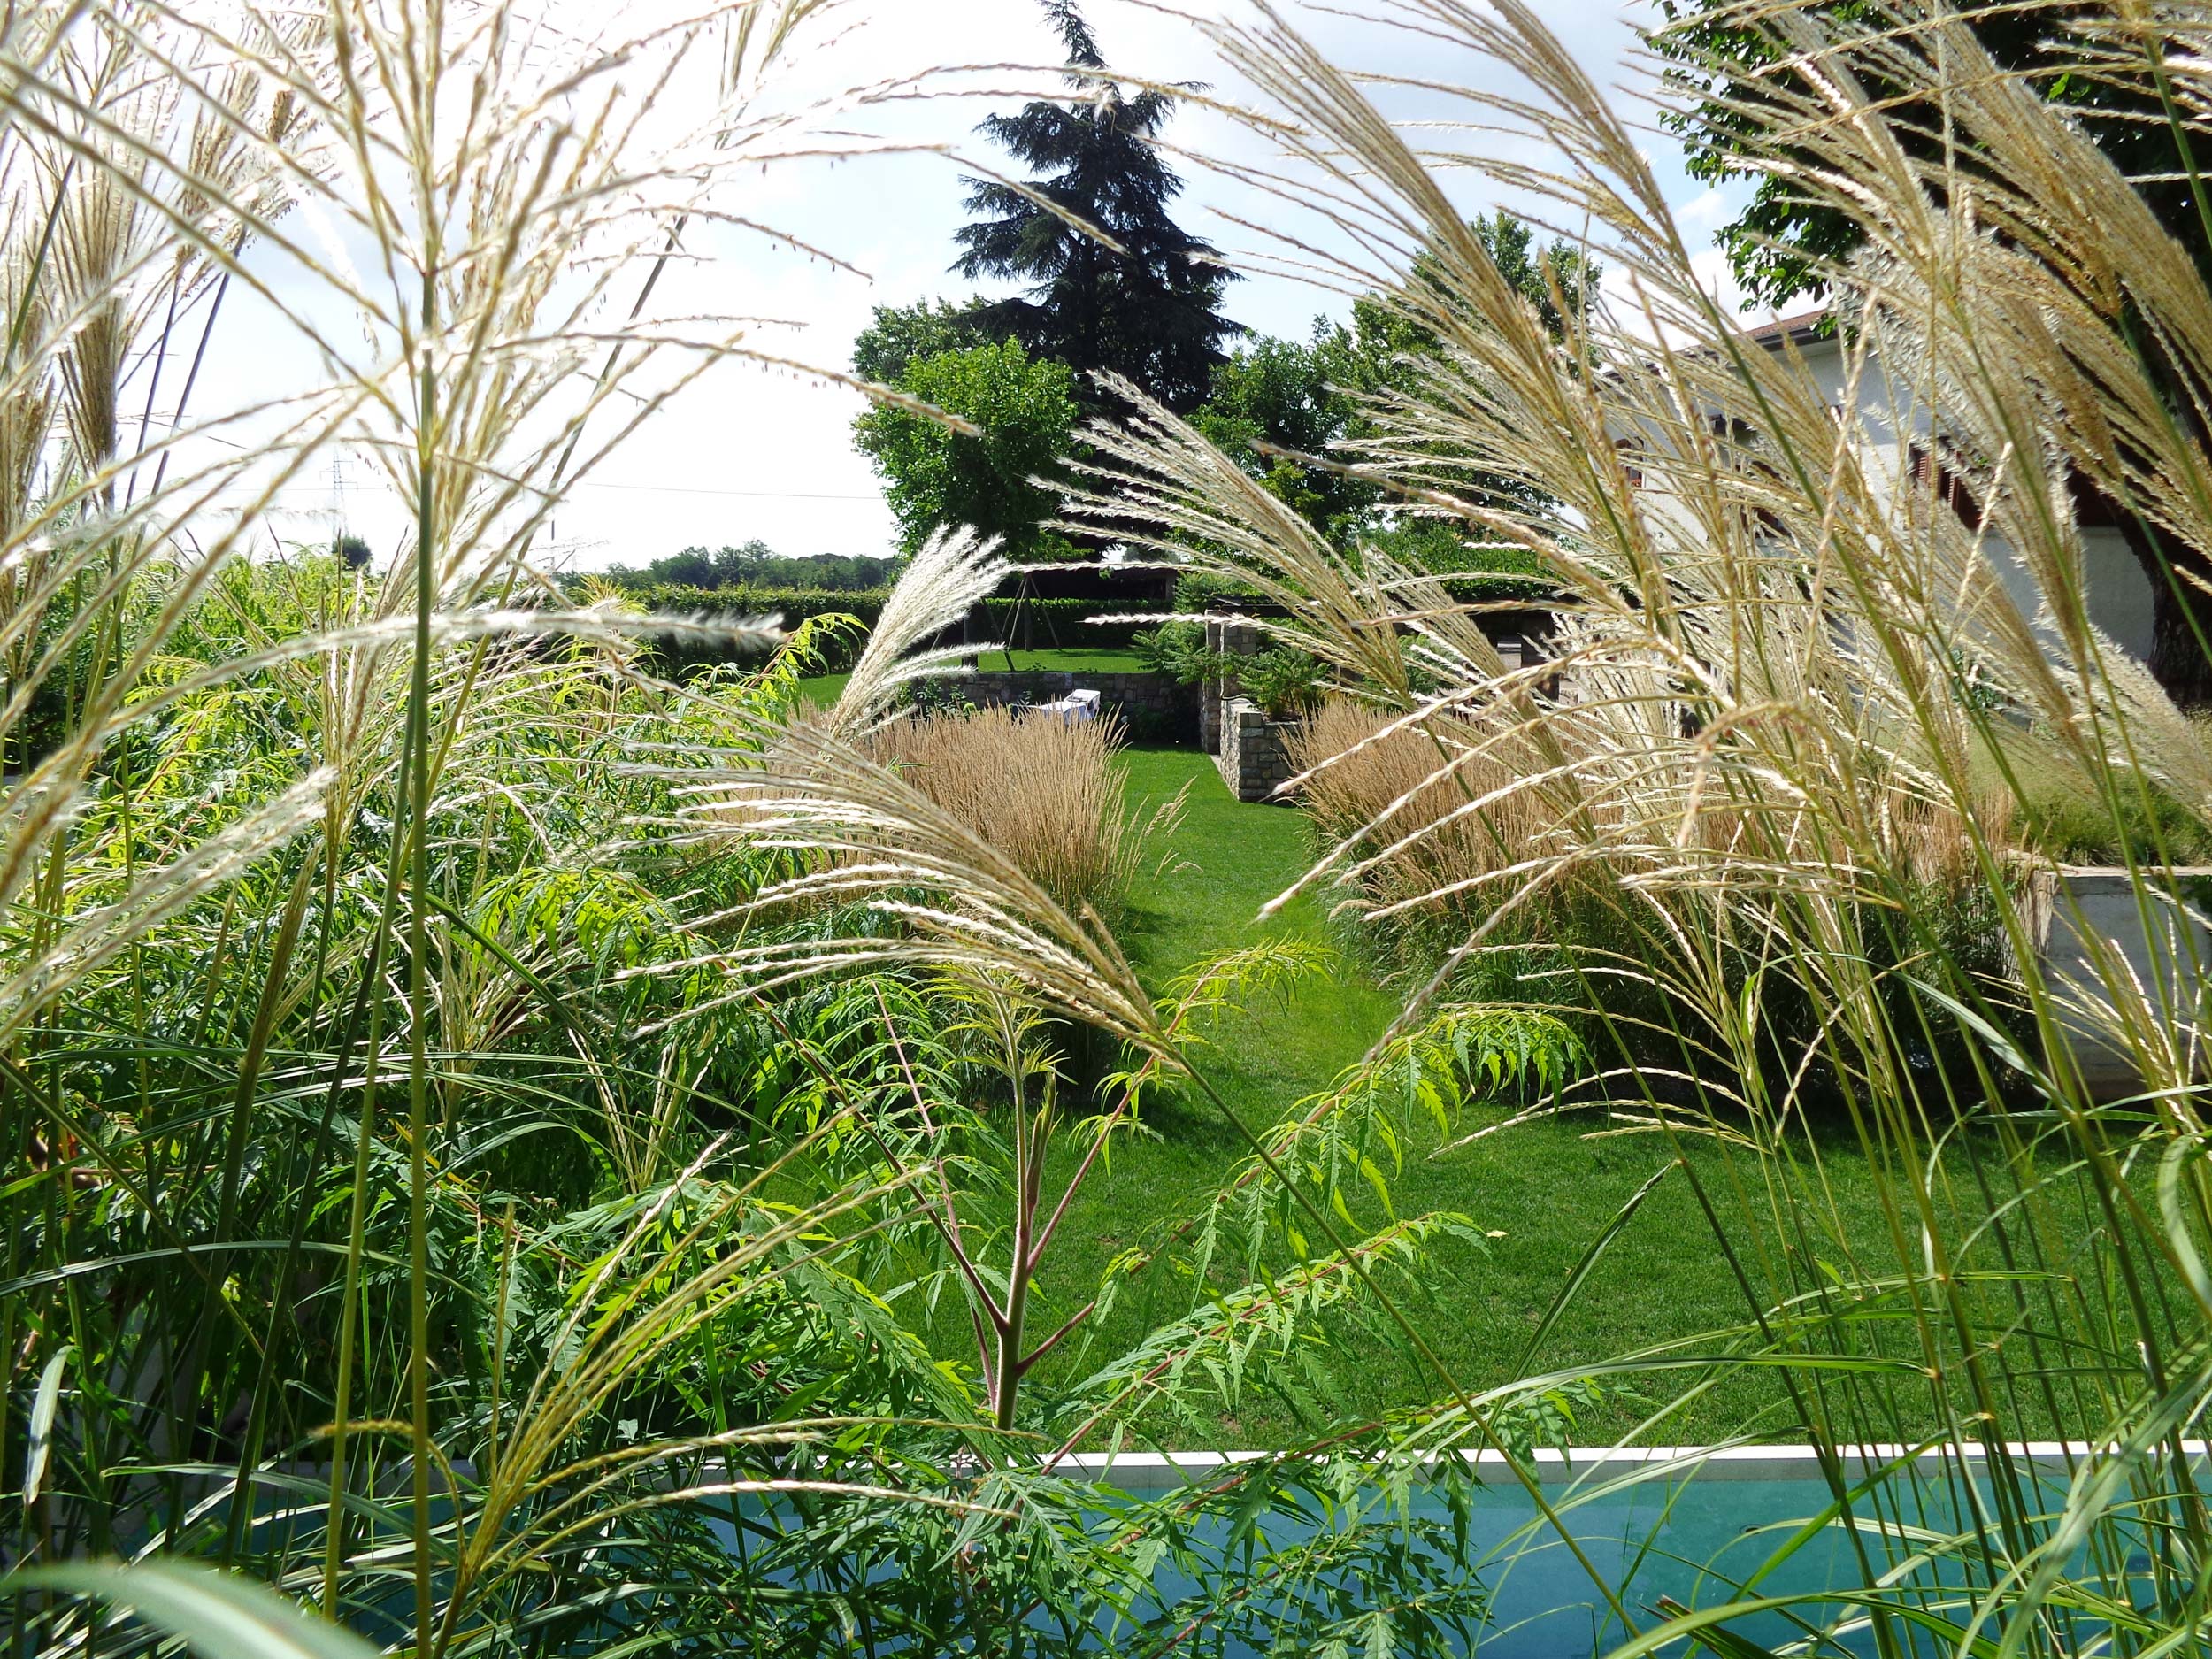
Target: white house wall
[2119, 592]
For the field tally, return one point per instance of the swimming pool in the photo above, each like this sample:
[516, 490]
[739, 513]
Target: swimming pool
[1690, 1528]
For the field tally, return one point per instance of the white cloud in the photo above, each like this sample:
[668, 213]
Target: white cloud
[1708, 208]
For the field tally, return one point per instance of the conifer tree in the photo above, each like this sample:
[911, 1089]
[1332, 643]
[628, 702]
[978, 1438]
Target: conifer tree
[1150, 311]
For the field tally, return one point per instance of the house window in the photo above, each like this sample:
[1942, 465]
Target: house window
[1950, 488]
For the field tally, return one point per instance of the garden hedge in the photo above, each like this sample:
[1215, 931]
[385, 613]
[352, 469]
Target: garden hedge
[1061, 622]
[1063, 619]
[794, 605]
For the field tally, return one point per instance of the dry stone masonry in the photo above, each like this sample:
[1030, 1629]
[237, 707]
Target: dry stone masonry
[1255, 760]
[1151, 706]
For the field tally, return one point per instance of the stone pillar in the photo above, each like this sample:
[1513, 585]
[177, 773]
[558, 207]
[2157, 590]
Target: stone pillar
[1253, 761]
[1209, 695]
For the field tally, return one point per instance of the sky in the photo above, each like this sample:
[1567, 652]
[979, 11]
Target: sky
[752, 454]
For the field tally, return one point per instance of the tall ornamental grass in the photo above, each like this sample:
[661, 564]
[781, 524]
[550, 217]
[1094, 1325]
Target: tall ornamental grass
[353, 1232]
[498, 1131]
[1046, 792]
[1793, 697]
[456, 1187]
[1366, 777]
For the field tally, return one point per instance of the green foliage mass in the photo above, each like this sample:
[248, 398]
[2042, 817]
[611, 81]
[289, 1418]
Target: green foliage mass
[1785, 245]
[895, 335]
[1284, 681]
[1321, 397]
[1290, 394]
[935, 478]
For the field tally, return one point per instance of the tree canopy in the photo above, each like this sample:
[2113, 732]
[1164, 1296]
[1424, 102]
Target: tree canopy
[1151, 311]
[1309, 396]
[935, 478]
[1781, 243]
[757, 565]
[897, 334]
[1289, 395]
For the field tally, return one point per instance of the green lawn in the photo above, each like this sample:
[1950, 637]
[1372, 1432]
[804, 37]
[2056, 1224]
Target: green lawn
[822, 690]
[1074, 660]
[1543, 1190]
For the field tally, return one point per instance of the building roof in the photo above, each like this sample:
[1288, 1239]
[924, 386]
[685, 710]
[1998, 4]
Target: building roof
[1800, 330]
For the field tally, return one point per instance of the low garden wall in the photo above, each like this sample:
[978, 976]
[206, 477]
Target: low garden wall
[1152, 708]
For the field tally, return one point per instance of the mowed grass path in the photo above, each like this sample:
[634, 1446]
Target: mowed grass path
[1544, 1189]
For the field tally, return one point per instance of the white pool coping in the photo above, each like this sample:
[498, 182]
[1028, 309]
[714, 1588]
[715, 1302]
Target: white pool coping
[1135, 1471]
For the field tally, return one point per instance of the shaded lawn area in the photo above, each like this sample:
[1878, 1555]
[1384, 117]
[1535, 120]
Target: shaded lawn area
[822, 690]
[1071, 659]
[1543, 1189]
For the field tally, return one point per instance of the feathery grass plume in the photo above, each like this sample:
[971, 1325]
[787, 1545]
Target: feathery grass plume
[107, 242]
[1192, 502]
[952, 573]
[952, 899]
[213, 1233]
[95, 935]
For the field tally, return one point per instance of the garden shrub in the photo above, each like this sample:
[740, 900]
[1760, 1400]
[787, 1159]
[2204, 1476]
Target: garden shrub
[1285, 681]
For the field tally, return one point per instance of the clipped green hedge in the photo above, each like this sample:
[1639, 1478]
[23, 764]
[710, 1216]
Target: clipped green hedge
[1065, 620]
[1500, 587]
[794, 605]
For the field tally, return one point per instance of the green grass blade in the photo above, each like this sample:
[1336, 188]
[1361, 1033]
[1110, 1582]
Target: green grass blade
[220, 1616]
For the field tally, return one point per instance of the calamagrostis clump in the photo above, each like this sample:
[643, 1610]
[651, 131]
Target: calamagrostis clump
[1370, 780]
[1046, 793]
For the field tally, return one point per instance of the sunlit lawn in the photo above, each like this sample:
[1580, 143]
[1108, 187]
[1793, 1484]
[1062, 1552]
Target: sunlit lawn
[1545, 1190]
[1072, 659]
[1532, 1197]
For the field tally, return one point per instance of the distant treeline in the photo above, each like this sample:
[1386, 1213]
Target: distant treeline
[757, 565]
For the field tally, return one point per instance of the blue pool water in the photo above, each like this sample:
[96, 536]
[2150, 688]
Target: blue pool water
[1694, 1537]
[1684, 1536]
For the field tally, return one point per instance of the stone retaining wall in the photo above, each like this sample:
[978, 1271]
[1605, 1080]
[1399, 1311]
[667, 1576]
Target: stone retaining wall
[1153, 707]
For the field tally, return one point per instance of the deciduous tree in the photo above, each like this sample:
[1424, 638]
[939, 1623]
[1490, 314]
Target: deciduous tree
[933, 477]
